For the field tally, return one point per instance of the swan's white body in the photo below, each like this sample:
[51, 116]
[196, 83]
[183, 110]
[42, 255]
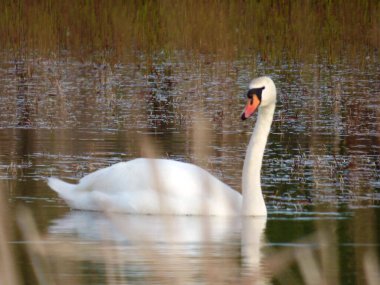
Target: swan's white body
[161, 186]
[150, 186]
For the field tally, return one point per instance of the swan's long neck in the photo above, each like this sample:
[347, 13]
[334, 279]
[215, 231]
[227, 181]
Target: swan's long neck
[253, 200]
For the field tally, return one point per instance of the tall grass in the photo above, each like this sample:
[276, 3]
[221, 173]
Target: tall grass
[114, 29]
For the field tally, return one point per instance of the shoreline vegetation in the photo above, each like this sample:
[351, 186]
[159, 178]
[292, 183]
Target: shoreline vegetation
[114, 30]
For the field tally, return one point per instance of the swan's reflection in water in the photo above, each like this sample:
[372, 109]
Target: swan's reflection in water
[162, 249]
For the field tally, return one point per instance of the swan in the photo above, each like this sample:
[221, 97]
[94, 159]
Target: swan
[162, 186]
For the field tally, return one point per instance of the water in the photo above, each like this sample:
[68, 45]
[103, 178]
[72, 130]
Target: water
[70, 118]
[92, 248]
[320, 173]
[186, 249]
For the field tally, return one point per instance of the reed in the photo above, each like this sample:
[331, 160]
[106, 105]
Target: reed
[9, 271]
[113, 30]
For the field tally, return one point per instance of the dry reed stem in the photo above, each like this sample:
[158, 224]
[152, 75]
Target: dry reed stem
[35, 248]
[371, 268]
[308, 266]
[8, 270]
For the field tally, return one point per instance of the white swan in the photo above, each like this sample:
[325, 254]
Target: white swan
[161, 186]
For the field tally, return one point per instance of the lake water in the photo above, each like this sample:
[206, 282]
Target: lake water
[320, 172]
[84, 85]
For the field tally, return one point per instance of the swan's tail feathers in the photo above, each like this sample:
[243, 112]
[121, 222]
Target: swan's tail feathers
[61, 187]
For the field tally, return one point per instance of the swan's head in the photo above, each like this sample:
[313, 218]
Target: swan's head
[261, 94]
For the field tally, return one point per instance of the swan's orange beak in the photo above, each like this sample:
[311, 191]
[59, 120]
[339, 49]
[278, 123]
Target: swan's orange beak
[251, 107]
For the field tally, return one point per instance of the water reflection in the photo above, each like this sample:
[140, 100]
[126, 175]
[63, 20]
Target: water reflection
[160, 99]
[252, 242]
[324, 145]
[190, 248]
[131, 228]
[23, 102]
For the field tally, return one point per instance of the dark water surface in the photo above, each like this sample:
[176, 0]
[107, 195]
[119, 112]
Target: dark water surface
[321, 170]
